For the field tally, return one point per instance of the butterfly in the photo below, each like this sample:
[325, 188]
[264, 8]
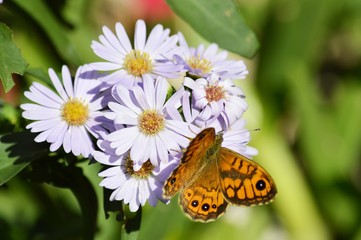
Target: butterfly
[210, 177]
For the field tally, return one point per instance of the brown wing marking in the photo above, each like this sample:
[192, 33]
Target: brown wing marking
[190, 162]
[198, 146]
[203, 200]
[243, 181]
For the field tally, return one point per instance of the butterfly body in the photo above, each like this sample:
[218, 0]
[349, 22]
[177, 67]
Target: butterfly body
[210, 177]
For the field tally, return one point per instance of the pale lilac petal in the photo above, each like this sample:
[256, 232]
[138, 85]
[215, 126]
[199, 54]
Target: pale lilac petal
[112, 171]
[141, 97]
[43, 125]
[140, 151]
[143, 192]
[105, 51]
[40, 113]
[210, 51]
[48, 99]
[105, 66]
[113, 40]
[122, 139]
[67, 81]
[57, 84]
[160, 93]
[57, 131]
[112, 182]
[123, 37]
[162, 151]
[56, 145]
[123, 94]
[67, 141]
[153, 38]
[139, 35]
[149, 91]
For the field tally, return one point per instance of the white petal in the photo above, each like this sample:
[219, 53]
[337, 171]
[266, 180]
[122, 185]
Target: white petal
[57, 84]
[162, 151]
[123, 139]
[161, 87]
[67, 81]
[139, 35]
[153, 38]
[43, 96]
[149, 91]
[139, 152]
[123, 37]
[67, 141]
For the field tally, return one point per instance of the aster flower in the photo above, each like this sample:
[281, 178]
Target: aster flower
[67, 116]
[202, 62]
[214, 97]
[149, 133]
[236, 137]
[133, 187]
[127, 64]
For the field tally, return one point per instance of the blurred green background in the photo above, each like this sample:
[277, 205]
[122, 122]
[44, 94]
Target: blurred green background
[303, 90]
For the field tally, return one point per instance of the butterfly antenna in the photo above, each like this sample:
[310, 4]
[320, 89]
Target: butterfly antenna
[252, 130]
[190, 129]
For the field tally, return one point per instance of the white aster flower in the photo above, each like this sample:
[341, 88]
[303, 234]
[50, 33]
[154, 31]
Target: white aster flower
[67, 116]
[129, 65]
[236, 137]
[214, 97]
[202, 62]
[149, 132]
[133, 187]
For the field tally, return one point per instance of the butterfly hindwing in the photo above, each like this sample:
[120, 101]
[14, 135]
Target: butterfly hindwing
[202, 200]
[243, 181]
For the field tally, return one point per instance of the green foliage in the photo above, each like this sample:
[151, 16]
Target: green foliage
[52, 27]
[11, 60]
[14, 156]
[220, 22]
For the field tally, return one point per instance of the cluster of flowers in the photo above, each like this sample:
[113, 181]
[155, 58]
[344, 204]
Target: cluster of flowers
[141, 107]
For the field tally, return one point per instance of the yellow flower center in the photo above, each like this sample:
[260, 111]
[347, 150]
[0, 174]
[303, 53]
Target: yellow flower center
[214, 93]
[200, 64]
[150, 122]
[144, 172]
[75, 112]
[137, 63]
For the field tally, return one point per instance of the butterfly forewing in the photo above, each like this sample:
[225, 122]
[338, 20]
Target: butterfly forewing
[197, 148]
[190, 162]
[243, 181]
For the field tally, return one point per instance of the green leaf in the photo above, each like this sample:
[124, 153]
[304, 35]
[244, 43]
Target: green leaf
[69, 176]
[11, 60]
[132, 225]
[57, 32]
[218, 21]
[9, 114]
[17, 150]
[85, 194]
[40, 74]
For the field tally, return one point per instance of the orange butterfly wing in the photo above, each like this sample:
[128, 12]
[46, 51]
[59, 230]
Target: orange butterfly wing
[190, 163]
[202, 200]
[243, 181]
